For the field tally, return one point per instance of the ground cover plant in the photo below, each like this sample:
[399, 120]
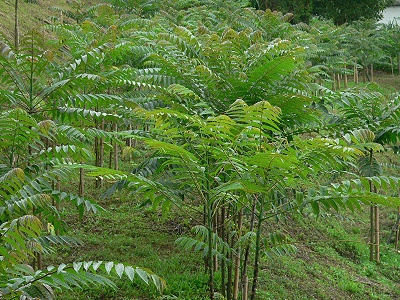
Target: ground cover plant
[215, 118]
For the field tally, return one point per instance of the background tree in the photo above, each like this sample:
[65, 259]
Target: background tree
[391, 44]
[340, 11]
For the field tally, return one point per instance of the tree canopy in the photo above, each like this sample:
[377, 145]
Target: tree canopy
[341, 11]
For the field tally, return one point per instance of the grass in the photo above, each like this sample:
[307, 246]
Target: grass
[30, 15]
[34, 13]
[135, 237]
[332, 261]
[331, 264]
[388, 81]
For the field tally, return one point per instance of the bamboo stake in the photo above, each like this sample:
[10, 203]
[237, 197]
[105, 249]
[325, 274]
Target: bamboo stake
[372, 236]
[371, 220]
[377, 240]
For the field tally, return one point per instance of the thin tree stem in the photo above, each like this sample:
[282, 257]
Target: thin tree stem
[16, 26]
[257, 251]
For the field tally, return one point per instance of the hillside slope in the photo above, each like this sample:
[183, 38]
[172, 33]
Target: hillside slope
[33, 13]
[332, 261]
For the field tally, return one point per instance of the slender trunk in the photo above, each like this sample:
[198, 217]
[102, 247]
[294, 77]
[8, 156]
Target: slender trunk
[96, 151]
[223, 267]
[39, 260]
[111, 156]
[215, 220]
[230, 239]
[247, 251]
[210, 255]
[33, 264]
[397, 229]
[43, 31]
[58, 188]
[129, 143]
[97, 158]
[99, 144]
[372, 236]
[81, 191]
[346, 80]
[371, 221]
[115, 149]
[96, 147]
[209, 210]
[237, 258]
[377, 239]
[333, 76]
[358, 77]
[16, 26]
[391, 65]
[245, 287]
[372, 72]
[338, 81]
[257, 252]
[355, 72]
[205, 257]
[101, 154]
[230, 270]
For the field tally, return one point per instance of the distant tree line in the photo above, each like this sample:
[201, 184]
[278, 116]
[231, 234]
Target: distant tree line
[340, 11]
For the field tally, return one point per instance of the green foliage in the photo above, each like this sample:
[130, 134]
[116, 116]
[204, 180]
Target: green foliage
[223, 103]
[25, 281]
[37, 153]
[340, 11]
